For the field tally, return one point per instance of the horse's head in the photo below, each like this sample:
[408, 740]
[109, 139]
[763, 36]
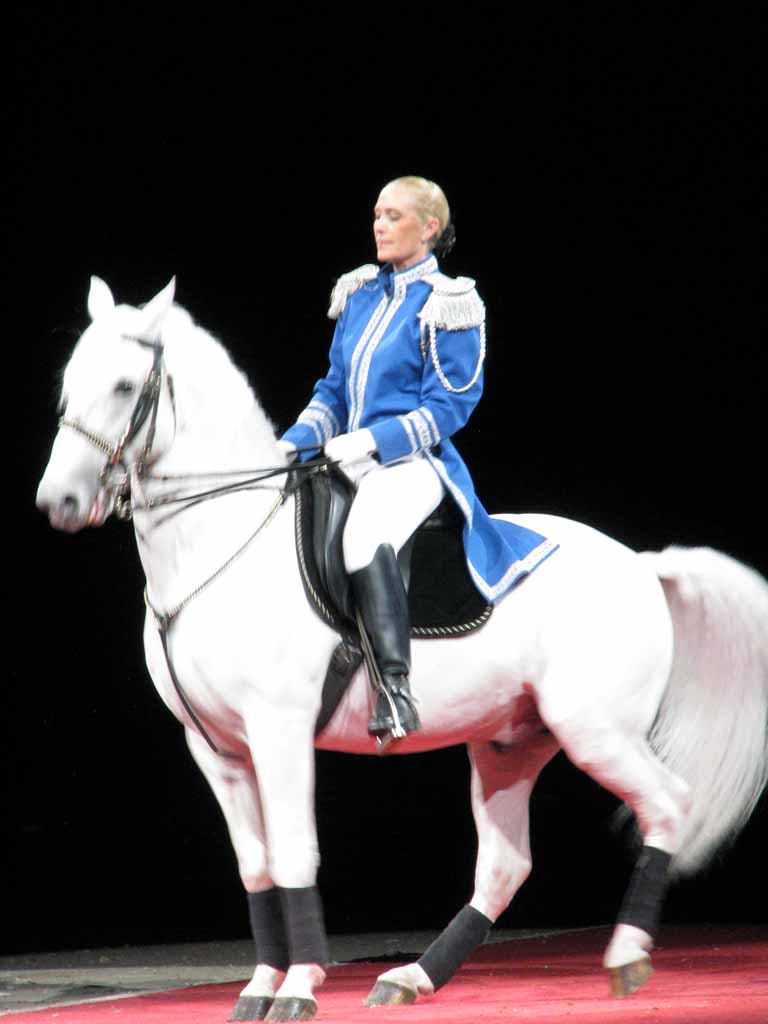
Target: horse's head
[110, 405]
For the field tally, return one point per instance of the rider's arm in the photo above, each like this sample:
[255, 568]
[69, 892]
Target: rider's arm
[451, 386]
[326, 414]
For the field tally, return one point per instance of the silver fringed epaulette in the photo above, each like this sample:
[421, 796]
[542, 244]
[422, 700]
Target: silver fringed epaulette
[347, 284]
[454, 304]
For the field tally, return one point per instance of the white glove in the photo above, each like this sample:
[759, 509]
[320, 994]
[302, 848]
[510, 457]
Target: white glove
[288, 449]
[351, 447]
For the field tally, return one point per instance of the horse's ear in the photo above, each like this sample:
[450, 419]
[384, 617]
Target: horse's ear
[153, 314]
[100, 299]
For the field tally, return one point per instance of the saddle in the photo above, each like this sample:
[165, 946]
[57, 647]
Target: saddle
[442, 599]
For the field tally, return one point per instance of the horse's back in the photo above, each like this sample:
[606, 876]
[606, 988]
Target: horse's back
[598, 612]
[569, 533]
[589, 575]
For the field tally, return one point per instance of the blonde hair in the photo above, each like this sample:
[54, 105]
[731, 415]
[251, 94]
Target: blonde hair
[430, 202]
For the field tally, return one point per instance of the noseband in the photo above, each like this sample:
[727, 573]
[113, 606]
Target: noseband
[146, 408]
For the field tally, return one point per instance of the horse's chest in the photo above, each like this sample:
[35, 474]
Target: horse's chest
[225, 664]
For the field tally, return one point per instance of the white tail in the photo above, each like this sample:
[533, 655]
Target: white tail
[712, 727]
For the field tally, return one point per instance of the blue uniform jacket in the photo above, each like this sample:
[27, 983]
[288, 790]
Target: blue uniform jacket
[406, 363]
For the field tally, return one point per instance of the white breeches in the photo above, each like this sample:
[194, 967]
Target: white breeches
[390, 503]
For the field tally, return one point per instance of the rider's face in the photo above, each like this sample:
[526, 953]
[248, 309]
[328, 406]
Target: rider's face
[401, 234]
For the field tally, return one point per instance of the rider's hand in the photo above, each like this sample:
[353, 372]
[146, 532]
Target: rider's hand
[351, 447]
[288, 449]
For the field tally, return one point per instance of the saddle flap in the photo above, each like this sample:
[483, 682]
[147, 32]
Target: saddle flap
[442, 599]
[331, 498]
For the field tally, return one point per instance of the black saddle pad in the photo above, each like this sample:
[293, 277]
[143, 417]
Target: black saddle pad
[443, 601]
[441, 594]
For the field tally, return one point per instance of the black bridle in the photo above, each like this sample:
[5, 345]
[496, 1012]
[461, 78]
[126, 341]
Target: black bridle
[146, 408]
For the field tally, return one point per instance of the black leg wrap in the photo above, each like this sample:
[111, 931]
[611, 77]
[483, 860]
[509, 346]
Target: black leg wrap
[450, 949]
[268, 929]
[303, 915]
[647, 888]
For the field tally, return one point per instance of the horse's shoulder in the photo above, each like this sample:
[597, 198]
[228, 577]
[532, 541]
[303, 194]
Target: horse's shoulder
[349, 283]
[454, 303]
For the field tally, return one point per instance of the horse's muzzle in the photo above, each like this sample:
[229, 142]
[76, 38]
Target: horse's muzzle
[67, 512]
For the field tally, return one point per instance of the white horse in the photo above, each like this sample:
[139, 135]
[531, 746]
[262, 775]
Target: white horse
[649, 670]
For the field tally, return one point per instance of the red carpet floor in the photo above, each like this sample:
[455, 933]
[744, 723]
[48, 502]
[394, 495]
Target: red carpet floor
[717, 975]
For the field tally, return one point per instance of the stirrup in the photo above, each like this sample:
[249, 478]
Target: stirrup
[389, 724]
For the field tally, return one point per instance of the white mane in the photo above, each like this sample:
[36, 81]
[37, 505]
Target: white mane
[199, 362]
[212, 396]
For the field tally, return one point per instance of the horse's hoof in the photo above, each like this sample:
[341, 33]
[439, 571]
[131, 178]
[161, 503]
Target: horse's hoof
[292, 1008]
[630, 977]
[387, 993]
[251, 1008]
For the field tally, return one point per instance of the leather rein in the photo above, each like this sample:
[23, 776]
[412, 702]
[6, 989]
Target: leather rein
[146, 410]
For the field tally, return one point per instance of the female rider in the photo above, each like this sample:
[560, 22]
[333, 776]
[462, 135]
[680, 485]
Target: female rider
[406, 371]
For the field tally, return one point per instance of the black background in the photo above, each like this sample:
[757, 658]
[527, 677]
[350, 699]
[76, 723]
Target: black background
[602, 170]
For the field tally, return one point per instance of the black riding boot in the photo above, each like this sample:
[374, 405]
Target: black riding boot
[383, 603]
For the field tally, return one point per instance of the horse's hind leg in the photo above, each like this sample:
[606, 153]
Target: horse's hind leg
[624, 763]
[502, 782]
[236, 790]
[627, 957]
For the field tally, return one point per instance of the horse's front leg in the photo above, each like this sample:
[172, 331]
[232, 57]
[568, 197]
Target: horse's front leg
[235, 787]
[282, 748]
[502, 782]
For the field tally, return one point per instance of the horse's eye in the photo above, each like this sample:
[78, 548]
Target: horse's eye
[124, 387]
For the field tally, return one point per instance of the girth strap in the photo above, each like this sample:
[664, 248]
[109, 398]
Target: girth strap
[162, 628]
[164, 622]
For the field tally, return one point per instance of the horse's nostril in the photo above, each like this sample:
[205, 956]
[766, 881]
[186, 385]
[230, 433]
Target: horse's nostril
[69, 504]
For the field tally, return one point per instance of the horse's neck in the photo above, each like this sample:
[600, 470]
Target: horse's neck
[217, 418]
[218, 428]
[183, 553]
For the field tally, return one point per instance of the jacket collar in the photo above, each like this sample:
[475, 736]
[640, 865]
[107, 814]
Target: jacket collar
[402, 278]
